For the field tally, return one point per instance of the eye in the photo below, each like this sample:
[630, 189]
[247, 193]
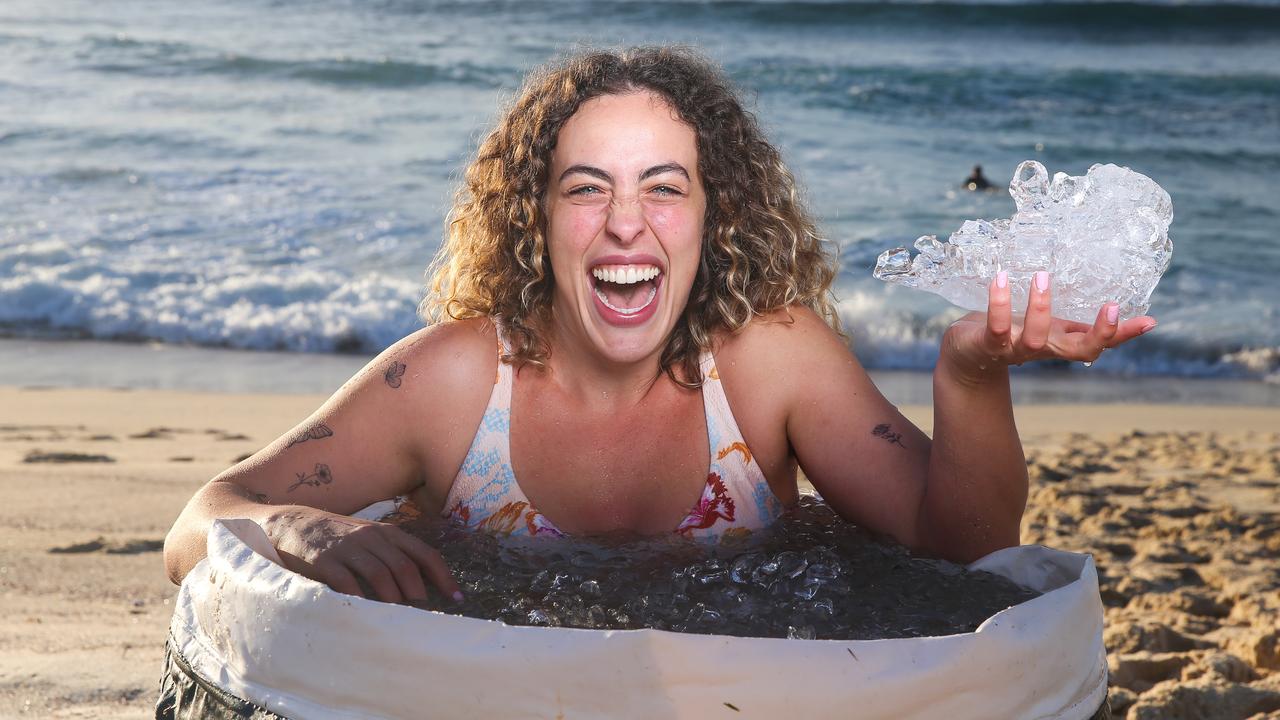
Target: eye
[585, 190]
[666, 191]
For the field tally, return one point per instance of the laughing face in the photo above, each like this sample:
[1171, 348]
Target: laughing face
[625, 211]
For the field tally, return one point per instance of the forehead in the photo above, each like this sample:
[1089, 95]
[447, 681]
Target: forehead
[638, 128]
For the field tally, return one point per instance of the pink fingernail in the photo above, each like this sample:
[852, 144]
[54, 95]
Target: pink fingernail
[1002, 279]
[1042, 280]
[1148, 328]
[1113, 314]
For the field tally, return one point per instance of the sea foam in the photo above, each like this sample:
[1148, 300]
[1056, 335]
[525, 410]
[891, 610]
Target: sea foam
[50, 288]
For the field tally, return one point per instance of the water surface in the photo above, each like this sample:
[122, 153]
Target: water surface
[254, 175]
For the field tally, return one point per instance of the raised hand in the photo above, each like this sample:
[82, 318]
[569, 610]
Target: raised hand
[982, 342]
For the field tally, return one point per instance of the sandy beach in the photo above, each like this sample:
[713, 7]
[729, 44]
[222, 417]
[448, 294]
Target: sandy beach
[1179, 504]
[216, 213]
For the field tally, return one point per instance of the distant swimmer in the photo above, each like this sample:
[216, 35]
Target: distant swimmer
[976, 180]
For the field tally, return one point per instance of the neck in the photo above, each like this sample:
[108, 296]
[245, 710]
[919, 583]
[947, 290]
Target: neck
[598, 382]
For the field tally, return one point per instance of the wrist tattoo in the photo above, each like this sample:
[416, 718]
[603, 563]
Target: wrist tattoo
[319, 431]
[321, 476]
[884, 432]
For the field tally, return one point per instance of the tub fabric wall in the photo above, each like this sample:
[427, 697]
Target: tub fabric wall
[250, 639]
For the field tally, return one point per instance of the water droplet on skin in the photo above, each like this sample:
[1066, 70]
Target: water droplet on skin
[1088, 363]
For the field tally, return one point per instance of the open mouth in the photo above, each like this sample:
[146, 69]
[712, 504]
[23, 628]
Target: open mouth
[627, 290]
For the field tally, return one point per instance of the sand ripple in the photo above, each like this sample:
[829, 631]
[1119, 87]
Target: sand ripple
[1185, 528]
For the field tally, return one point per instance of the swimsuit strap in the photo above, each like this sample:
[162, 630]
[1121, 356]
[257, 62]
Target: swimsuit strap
[737, 495]
[485, 494]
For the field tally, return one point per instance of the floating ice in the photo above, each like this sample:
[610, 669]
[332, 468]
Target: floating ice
[1103, 237]
[809, 575]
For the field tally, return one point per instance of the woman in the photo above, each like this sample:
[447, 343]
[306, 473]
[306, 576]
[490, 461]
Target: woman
[632, 317]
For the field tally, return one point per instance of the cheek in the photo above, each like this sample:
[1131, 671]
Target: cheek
[571, 230]
[585, 223]
[660, 219]
[674, 225]
[680, 232]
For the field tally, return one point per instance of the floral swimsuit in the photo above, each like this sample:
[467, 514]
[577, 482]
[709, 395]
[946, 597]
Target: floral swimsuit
[485, 495]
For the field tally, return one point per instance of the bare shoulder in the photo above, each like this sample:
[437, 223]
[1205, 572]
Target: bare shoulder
[402, 422]
[797, 378]
[446, 358]
[441, 377]
[421, 399]
[789, 364]
[782, 362]
[775, 345]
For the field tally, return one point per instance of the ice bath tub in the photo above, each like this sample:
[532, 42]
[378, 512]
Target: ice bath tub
[248, 636]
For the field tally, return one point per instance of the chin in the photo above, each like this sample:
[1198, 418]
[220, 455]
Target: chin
[631, 346]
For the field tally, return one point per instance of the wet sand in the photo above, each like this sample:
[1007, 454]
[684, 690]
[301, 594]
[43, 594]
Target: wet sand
[1179, 504]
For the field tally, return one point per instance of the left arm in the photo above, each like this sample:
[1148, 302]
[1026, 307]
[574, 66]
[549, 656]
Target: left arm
[977, 481]
[976, 484]
[961, 495]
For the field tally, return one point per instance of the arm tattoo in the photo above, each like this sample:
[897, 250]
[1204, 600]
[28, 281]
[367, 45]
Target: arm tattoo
[394, 372]
[884, 432]
[317, 432]
[248, 494]
[321, 476]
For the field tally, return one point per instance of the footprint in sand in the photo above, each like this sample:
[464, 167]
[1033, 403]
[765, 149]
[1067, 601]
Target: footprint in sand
[39, 456]
[111, 547]
[156, 433]
[224, 435]
[167, 433]
[37, 433]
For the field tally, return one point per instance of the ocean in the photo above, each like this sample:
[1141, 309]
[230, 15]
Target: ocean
[273, 176]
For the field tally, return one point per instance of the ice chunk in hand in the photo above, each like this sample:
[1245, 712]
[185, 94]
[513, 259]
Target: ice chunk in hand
[1103, 237]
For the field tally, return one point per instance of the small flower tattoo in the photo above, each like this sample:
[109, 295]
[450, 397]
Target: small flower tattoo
[321, 476]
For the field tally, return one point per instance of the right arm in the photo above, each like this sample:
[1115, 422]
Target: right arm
[403, 423]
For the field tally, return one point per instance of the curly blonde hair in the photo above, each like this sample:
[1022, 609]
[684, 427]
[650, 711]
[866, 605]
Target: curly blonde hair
[760, 248]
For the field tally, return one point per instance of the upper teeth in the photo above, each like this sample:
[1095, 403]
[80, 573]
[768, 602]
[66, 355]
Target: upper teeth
[626, 274]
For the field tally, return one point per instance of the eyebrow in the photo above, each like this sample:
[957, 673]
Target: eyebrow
[664, 168]
[599, 174]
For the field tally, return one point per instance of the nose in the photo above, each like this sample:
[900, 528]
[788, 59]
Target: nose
[626, 219]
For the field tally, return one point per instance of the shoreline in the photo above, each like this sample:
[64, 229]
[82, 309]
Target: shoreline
[156, 366]
[1179, 504]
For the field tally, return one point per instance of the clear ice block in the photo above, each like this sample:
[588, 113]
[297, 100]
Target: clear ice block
[1103, 237]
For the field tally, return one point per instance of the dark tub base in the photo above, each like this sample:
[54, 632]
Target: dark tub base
[184, 695]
